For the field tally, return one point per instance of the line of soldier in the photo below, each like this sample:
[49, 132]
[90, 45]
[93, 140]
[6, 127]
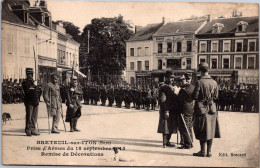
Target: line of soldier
[246, 100]
[12, 91]
[145, 97]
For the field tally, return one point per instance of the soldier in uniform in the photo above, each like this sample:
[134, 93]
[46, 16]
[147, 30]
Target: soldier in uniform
[148, 98]
[96, 94]
[138, 98]
[167, 120]
[31, 103]
[52, 98]
[132, 90]
[206, 126]
[127, 97]
[73, 104]
[110, 96]
[185, 102]
[103, 95]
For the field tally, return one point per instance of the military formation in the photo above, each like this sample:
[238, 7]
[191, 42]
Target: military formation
[145, 97]
[12, 91]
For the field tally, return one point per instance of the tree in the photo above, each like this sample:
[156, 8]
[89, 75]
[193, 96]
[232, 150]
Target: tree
[107, 48]
[72, 30]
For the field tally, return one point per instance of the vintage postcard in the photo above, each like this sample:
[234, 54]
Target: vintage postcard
[115, 83]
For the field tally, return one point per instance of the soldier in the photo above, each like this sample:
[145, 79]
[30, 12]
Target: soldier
[73, 104]
[148, 98]
[96, 94]
[110, 96]
[206, 126]
[132, 90]
[127, 97]
[154, 94]
[185, 113]
[167, 121]
[31, 103]
[138, 98]
[52, 98]
[103, 95]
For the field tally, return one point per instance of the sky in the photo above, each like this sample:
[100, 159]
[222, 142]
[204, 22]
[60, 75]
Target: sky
[81, 13]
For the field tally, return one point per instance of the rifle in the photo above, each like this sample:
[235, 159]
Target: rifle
[48, 111]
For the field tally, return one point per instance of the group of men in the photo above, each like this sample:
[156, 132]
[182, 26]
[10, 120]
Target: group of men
[246, 100]
[52, 98]
[12, 91]
[185, 107]
[145, 97]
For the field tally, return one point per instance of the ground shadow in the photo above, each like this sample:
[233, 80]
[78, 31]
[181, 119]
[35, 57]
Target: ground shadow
[138, 140]
[159, 152]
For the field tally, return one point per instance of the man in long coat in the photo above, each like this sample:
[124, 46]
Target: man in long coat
[167, 121]
[73, 104]
[52, 98]
[206, 125]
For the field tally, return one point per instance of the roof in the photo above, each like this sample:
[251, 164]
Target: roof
[188, 26]
[146, 32]
[230, 24]
[9, 16]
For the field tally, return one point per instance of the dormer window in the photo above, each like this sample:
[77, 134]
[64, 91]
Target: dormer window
[241, 26]
[217, 27]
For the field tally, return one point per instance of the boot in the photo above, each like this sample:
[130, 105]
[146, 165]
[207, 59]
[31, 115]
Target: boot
[201, 153]
[75, 125]
[209, 145]
[71, 125]
[164, 140]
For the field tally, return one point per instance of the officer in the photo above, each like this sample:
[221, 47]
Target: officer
[73, 104]
[148, 98]
[167, 121]
[132, 90]
[185, 113]
[138, 97]
[206, 126]
[127, 97]
[31, 103]
[52, 98]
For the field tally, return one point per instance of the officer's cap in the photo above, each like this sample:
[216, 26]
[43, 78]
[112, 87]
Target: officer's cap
[204, 67]
[29, 70]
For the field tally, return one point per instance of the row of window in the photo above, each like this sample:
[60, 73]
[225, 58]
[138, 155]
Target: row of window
[140, 51]
[227, 46]
[170, 48]
[63, 59]
[238, 61]
[139, 66]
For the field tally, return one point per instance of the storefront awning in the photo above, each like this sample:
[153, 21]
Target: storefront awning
[81, 74]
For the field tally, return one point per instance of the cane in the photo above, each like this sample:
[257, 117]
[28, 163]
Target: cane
[48, 111]
[63, 118]
[186, 128]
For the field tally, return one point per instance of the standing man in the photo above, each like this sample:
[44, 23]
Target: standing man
[186, 111]
[73, 104]
[52, 98]
[206, 126]
[167, 121]
[31, 103]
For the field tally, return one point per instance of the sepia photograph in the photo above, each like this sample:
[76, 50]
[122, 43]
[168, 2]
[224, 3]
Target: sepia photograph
[130, 83]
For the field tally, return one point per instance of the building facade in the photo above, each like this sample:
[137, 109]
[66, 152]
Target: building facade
[175, 48]
[31, 40]
[230, 47]
[139, 55]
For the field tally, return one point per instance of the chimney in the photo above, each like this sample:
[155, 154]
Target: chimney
[208, 18]
[137, 28]
[163, 20]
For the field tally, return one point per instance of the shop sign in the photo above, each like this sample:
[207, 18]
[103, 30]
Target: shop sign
[49, 63]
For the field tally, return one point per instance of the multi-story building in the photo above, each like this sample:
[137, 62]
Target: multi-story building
[230, 47]
[139, 55]
[31, 40]
[175, 48]
[18, 40]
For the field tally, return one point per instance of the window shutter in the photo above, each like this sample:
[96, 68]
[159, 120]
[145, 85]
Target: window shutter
[220, 46]
[245, 43]
[233, 45]
[244, 61]
[208, 46]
